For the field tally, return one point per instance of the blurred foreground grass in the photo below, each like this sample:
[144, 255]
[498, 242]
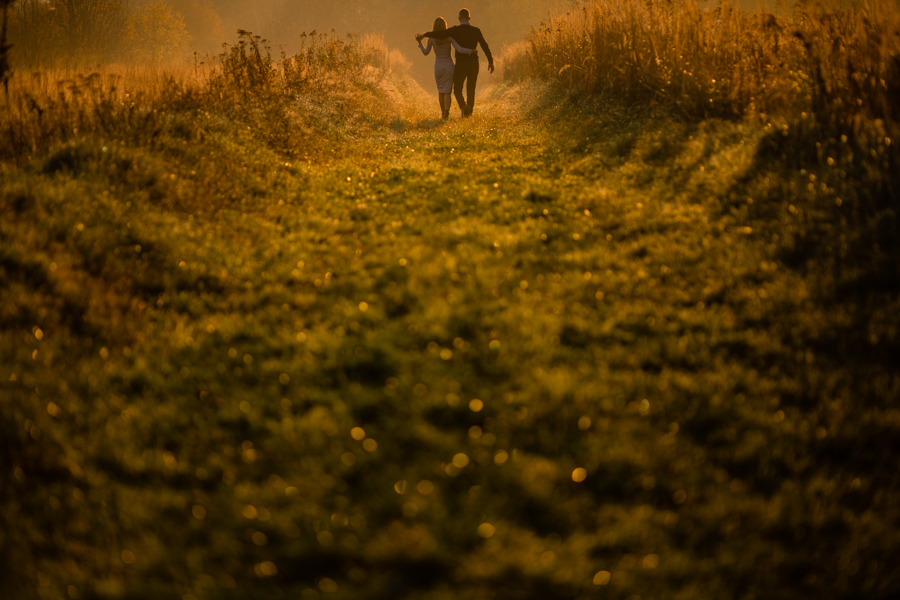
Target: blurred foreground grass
[342, 349]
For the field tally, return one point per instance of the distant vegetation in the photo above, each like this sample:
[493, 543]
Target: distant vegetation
[822, 81]
[88, 33]
[91, 32]
[53, 106]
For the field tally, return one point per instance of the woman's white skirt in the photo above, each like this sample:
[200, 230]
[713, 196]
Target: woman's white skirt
[443, 75]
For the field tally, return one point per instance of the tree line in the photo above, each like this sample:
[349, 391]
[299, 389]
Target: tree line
[46, 32]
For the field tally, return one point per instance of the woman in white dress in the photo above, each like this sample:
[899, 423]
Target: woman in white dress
[443, 64]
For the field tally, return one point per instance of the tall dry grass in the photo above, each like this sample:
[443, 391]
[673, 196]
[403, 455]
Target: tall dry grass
[721, 61]
[49, 106]
[825, 81]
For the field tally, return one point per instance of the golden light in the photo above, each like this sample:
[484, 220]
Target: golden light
[486, 530]
[602, 577]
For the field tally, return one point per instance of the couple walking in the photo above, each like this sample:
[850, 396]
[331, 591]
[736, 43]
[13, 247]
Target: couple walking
[465, 39]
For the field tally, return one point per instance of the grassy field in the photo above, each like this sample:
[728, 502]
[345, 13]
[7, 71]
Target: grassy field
[290, 335]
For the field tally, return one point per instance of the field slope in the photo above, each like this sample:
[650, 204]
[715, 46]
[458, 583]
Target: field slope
[546, 352]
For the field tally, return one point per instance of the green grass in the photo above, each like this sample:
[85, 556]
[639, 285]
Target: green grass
[196, 314]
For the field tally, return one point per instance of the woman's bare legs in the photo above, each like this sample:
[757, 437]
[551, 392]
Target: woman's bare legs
[446, 102]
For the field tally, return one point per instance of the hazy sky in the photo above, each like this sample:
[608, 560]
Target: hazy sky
[282, 21]
[502, 21]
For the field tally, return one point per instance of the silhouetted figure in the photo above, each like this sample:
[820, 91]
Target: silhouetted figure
[444, 68]
[466, 71]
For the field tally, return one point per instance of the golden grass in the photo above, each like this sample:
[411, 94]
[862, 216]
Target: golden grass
[52, 105]
[823, 82]
[722, 61]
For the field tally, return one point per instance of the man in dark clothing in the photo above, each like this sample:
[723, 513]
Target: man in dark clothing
[466, 72]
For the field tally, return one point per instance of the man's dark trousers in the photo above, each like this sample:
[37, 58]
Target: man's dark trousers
[466, 72]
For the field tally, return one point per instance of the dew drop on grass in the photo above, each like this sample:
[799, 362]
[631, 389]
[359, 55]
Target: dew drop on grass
[486, 530]
[265, 569]
[460, 460]
[602, 577]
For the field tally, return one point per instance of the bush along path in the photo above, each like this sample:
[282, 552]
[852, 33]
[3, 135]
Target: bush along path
[546, 352]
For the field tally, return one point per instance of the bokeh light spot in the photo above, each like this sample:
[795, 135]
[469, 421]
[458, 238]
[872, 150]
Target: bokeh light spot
[328, 585]
[579, 475]
[325, 538]
[486, 530]
[602, 577]
[460, 460]
[265, 569]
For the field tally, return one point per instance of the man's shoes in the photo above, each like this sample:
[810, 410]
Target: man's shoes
[446, 115]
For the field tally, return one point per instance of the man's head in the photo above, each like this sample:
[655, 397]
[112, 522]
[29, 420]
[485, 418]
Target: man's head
[464, 15]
